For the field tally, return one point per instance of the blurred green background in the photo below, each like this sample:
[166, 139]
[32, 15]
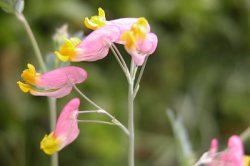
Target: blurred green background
[200, 70]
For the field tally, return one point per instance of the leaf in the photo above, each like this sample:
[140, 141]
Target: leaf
[12, 6]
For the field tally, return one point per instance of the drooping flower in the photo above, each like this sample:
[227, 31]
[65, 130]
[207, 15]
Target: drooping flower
[56, 83]
[94, 47]
[139, 41]
[66, 130]
[134, 33]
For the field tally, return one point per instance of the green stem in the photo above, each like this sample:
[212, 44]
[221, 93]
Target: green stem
[119, 56]
[35, 46]
[131, 114]
[245, 135]
[120, 61]
[114, 120]
[131, 124]
[52, 101]
[52, 106]
[96, 121]
[137, 85]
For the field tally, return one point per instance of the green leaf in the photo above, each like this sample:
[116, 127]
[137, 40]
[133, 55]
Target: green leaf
[12, 6]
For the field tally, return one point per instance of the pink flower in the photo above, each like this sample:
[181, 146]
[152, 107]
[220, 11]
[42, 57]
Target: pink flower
[56, 83]
[233, 155]
[134, 33]
[66, 130]
[139, 41]
[96, 45]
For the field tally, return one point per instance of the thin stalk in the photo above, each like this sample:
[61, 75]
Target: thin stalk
[96, 121]
[120, 61]
[245, 135]
[114, 120]
[32, 38]
[89, 111]
[131, 115]
[52, 106]
[131, 124]
[137, 85]
[119, 55]
[52, 101]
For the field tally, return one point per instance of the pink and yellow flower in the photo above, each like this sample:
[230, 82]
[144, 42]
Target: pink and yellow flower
[139, 42]
[233, 155]
[134, 33]
[56, 83]
[66, 130]
[94, 47]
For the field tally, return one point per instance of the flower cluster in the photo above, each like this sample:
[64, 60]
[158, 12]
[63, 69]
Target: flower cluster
[133, 33]
[233, 155]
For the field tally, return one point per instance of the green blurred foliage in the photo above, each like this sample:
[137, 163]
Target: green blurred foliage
[200, 70]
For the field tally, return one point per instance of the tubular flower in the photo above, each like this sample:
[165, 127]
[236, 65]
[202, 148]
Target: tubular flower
[66, 130]
[56, 83]
[139, 42]
[94, 47]
[233, 155]
[133, 32]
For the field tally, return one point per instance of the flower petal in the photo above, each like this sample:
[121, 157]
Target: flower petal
[149, 45]
[61, 77]
[57, 93]
[66, 130]
[96, 45]
[67, 127]
[235, 151]
[124, 25]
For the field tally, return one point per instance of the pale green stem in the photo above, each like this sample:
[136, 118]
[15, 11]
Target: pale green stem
[137, 85]
[131, 114]
[120, 61]
[96, 121]
[245, 135]
[120, 56]
[89, 111]
[35, 46]
[52, 102]
[114, 120]
[53, 115]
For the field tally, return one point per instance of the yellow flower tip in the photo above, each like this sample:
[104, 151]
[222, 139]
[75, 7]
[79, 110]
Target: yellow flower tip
[142, 21]
[129, 40]
[61, 57]
[90, 24]
[246, 160]
[140, 28]
[24, 87]
[68, 50]
[29, 75]
[96, 21]
[101, 12]
[50, 144]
